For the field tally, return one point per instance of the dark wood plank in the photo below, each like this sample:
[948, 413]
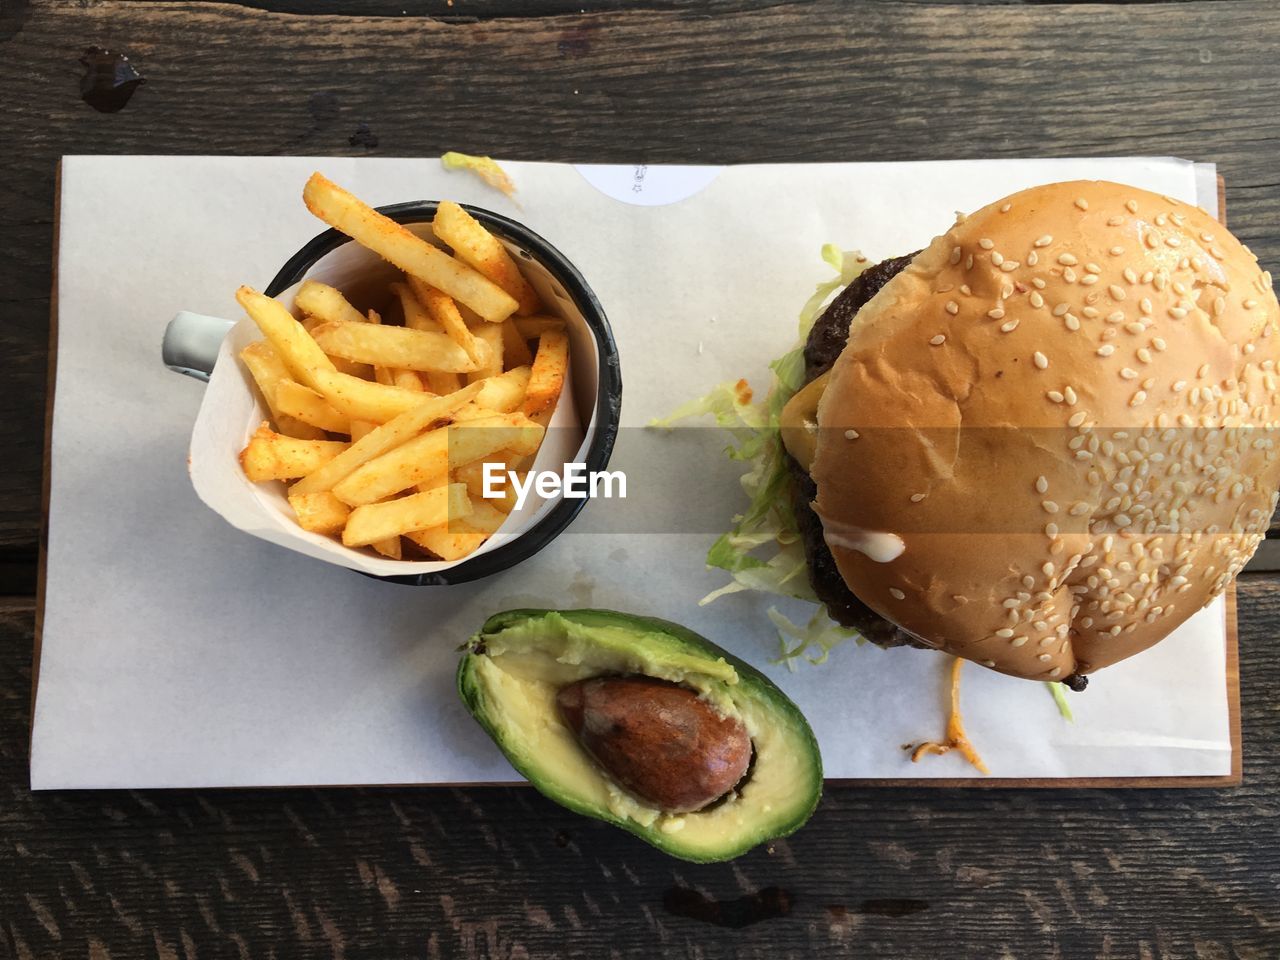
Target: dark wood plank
[773, 81]
[504, 873]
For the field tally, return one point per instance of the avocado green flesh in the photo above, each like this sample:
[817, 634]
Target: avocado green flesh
[516, 664]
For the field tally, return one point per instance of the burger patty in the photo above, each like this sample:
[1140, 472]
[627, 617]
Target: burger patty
[826, 342]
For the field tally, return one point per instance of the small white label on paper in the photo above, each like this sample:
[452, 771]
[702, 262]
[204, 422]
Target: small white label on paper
[647, 186]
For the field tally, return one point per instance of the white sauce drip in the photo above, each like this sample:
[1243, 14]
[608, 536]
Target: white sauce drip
[875, 545]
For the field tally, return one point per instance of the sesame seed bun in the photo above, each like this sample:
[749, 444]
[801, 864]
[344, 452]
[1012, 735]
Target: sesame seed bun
[1037, 450]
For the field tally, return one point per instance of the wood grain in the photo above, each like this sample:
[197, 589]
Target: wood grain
[487, 873]
[753, 82]
[504, 873]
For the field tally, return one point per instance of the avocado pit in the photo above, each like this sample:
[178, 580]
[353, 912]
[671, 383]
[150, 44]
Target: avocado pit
[657, 739]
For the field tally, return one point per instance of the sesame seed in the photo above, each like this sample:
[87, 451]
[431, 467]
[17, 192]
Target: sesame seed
[1179, 386]
[1250, 303]
[968, 262]
[997, 257]
[1006, 208]
[1069, 394]
[1115, 221]
[1116, 291]
[1004, 633]
[1106, 350]
[986, 243]
[897, 594]
[1080, 508]
[1159, 344]
[1135, 328]
[1203, 371]
[1060, 309]
[1040, 360]
[1044, 657]
[1149, 238]
[1092, 268]
[1077, 418]
[1042, 484]
[1071, 321]
[955, 255]
[938, 340]
[1129, 373]
[1082, 203]
[1131, 206]
[1055, 396]
[917, 497]
[1129, 274]
[1144, 354]
[1115, 316]
[1049, 506]
[1177, 313]
[1050, 529]
[1088, 280]
[952, 307]
[1173, 240]
[1036, 300]
[1116, 251]
[1067, 259]
[1017, 641]
[1006, 291]
[1009, 266]
[1009, 325]
[851, 434]
[1032, 259]
[996, 314]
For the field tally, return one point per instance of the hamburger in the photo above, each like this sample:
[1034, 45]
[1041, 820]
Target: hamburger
[1045, 440]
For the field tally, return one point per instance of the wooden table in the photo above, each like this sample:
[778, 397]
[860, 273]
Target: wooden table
[500, 872]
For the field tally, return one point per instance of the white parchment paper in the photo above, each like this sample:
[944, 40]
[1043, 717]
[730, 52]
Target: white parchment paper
[179, 651]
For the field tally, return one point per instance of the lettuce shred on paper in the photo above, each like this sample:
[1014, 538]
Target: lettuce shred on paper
[763, 550]
[486, 168]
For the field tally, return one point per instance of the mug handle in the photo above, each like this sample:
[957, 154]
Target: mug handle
[191, 343]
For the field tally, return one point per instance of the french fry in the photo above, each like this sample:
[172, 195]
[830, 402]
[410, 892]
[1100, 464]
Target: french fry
[446, 545]
[367, 399]
[361, 428]
[300, 353]
[270, 456]
[303, 403]
[460, 537]
[484, 518]
[442, 383]
[491, 335]
[319, 512]
[547, 375]
[389, 547]
[531, 328]
[515, 348]
[415, 314]
[425, 457]
[326, 302]
[505, 392]
[406, 250]
[418, 511]
[377, 442]
[407, 380]
[445, 313]
[472, 474]
[475, 245]
[393, 347]
[267, 370]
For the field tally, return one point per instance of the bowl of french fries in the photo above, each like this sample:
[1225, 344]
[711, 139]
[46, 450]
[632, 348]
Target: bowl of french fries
[397, 366]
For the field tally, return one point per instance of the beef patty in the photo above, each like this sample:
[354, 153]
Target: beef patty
[826, 342]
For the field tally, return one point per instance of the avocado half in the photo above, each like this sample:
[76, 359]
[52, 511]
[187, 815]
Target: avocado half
[513, 667]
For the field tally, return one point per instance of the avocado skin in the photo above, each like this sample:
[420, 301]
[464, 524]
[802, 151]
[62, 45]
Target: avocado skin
[749, 678]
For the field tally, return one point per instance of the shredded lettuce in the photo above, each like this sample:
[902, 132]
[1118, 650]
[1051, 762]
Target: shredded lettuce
[486, 168]
[1060, 698]
[762, 551]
